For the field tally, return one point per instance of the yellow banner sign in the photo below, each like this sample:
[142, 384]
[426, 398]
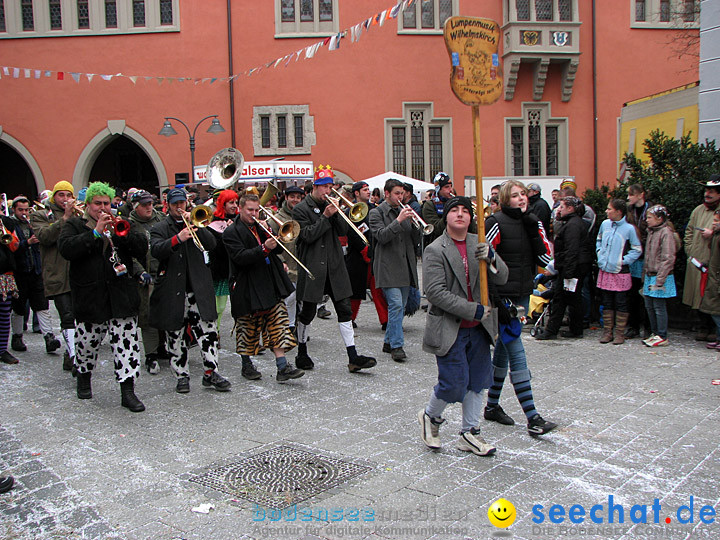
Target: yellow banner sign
[472, 44]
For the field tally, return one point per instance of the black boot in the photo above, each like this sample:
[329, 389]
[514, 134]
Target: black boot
[303, 360]
[129, 399]
[17, 343]
[84, 388]
[52, 343]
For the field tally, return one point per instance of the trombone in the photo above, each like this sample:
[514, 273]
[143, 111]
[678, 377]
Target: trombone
[287, 230]
[336, 204]
[199, 217]
[358, 211]
[271, 235]
[426, 228]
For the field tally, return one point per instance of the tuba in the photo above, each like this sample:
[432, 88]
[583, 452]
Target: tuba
[224, 168]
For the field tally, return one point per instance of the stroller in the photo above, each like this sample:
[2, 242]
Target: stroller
[541, 301]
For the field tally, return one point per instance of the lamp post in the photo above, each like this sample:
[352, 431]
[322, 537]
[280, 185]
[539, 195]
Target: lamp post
[168, 131]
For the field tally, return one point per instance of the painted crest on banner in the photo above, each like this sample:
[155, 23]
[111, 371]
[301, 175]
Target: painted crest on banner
[476, 75]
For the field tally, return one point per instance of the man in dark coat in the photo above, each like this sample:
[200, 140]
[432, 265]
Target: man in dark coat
[394, 262]
[184, 294]
[104, 295]
[359, 260]
[538, 206]
[573, 261]
[318, 248]
[258, 286]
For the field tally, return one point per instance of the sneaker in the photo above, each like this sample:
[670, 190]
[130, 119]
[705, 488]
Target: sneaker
[17, 343]
[250, 372]
[545, 335]
[653, 337]
[471, 441]
[711, 345]
[538, 426]
[8, 358]
[398, 354]
[6, 483]
[387, 348]
[288, 372]
[361, 362]
[304, 362]
[183, 385]
[496, 414]
[220, 383]
[323, 312]
[152, 366]
[430, 429]
[660, 342]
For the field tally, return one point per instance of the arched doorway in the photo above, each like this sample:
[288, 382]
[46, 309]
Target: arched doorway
[16, 176]
[124, 164]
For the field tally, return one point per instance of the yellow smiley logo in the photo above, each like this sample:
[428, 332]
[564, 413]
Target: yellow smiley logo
[501, 513]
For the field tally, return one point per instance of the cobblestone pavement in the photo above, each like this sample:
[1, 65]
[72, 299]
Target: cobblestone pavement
[635, 425]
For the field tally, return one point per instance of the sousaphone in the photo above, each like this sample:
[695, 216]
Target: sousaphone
[224, 168]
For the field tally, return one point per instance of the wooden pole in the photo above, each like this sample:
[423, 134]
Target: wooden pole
[480, 202]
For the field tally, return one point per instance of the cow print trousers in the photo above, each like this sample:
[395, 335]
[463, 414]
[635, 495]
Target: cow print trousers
[124, 343]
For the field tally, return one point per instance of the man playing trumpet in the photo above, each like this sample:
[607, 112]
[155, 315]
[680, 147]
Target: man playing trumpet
[104, 295]
[318, 248]
[184, 294]
[258, 285]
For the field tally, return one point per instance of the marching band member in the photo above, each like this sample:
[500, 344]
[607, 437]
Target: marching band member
[8, 288]
[48, 224]
[105, 298]
[226, 208]
[259, 284]
[183, 293]
[319, 249]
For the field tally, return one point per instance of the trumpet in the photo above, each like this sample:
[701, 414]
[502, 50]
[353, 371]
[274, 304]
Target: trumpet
[271, 235]
[119, 226]
[426, 228]
[199, 217]
[358, 211]
[288, 230]
[336, 204]
[6, 238]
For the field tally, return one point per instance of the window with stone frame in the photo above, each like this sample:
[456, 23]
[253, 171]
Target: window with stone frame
[53, 18]
[270, 130]
[665, 13]
[541, 10]
[418, 144]
[536, 143]
[426, 16]
[297, 18]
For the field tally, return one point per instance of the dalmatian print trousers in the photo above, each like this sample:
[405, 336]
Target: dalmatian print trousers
[207, 337]
[124, 343]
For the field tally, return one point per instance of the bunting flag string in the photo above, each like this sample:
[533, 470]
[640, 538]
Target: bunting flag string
[332, 43]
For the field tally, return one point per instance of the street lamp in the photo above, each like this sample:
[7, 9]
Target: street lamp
[168, 131]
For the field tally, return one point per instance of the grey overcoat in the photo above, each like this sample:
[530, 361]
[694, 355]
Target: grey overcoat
[394, 262]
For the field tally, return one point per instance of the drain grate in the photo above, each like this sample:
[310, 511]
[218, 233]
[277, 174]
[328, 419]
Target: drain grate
[280, 477]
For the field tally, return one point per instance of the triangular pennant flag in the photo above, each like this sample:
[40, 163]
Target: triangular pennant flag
[277, 62]
[16, 73]
[359, 29]
[6, 71]
[106, 77]
[375, 19]
[147, 79]
[27, 73]
[76, 77]
[90, 76]
[327, 40]
[38, 73]
[48, 73]
[394, 11]
[60, 76]
[334, 43]
[366, 23]
[213, 80]
[133, 79]
[383, 15]
[289, 57]
[159, 80]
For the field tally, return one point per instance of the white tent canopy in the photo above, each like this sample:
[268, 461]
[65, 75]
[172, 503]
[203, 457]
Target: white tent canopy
[419, 187]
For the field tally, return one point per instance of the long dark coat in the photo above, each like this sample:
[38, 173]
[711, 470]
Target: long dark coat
[257, 281]
[98, 293]
[182, 269]
[354, 261]
[318, 248]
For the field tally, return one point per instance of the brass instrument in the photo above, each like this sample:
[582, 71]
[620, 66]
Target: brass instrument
[37, 206]
[426, 228]
[270, 191]
[119, 226]
[199, 217]
[288, 230]
[358, 211]
[6, 238]
[271, 235]
[336, 204]
[224, 168]
[487, 211]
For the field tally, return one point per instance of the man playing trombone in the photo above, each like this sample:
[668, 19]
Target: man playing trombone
[258, 285]
[395, 230]
[184, 294]
[318, 247]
